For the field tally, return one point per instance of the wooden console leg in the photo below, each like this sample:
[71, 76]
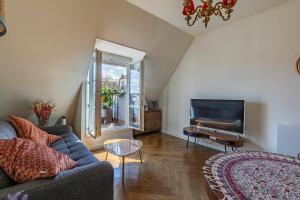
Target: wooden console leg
[187, 143]
[195, 140]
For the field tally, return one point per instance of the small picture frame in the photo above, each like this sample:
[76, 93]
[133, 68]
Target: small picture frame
[153, 105]
[298, 65]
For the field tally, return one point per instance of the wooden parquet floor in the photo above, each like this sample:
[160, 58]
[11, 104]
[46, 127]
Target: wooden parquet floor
[169, 170]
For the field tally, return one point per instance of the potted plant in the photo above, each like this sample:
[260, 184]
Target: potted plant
[107, 100]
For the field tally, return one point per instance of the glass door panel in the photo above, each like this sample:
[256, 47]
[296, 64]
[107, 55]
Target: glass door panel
[93, 89]
[135, 96]
[91, 97]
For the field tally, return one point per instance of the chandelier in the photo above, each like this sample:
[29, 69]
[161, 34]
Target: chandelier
[2, 24]
[223, 9]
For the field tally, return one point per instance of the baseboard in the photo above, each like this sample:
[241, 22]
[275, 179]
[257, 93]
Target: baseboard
[164, 131]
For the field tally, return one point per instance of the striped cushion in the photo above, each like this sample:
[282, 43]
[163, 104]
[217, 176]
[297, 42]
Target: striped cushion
[28, 130]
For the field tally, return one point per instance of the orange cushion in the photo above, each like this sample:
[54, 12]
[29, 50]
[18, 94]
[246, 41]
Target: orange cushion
[24, 160]
[28, 130]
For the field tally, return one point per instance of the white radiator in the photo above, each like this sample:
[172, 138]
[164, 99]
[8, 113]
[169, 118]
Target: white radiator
[288, 140]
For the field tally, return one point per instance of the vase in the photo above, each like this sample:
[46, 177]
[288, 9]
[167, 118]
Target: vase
[43, 123]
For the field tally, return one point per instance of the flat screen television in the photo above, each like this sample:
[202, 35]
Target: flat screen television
[226, 115]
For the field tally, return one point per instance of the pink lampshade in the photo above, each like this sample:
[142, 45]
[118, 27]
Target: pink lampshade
[190, 9]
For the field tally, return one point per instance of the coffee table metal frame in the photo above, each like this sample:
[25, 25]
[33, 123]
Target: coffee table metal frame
[122, 156]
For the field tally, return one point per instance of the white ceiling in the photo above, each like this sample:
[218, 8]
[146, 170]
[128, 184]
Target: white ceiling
[171, 11]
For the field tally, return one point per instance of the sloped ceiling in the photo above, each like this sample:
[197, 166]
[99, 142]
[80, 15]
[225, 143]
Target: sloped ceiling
[46, 52]
[164, 44]
[171, 11]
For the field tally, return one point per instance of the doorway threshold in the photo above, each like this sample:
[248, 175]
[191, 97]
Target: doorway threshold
[118, 129]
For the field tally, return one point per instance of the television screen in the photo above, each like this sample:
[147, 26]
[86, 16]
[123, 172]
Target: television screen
[227, 115]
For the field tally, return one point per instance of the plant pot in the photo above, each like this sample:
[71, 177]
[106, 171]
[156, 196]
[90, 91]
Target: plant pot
[108, 116]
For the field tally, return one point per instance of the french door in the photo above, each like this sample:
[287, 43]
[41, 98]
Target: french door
[93, 94]
[136, 96]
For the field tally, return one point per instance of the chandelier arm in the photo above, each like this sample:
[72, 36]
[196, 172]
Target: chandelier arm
[218, 6]
[219, 12]
[228, 12]
[192, 21]
[217, 9]
[198, 10]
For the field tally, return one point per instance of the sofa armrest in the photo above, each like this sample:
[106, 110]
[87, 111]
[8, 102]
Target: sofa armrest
[93, 181]
[58, 130]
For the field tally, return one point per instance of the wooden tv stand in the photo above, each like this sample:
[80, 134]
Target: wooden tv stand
[224, 139]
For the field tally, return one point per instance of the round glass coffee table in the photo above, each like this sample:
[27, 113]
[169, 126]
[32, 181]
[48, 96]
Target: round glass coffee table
[123, 148]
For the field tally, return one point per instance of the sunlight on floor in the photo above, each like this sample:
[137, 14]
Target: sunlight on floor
[112, 126]
[117, 161]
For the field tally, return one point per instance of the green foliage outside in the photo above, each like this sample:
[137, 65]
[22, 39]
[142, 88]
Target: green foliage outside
[107, 96]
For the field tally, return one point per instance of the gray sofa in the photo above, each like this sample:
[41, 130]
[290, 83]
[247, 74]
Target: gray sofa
[91, 179]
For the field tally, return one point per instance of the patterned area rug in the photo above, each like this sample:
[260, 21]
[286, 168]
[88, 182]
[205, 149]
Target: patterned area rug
[254, 175]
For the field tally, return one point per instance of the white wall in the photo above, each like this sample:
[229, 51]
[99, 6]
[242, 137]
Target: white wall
[252, 59]
[45, 54]
[288, 140]
[47, 49]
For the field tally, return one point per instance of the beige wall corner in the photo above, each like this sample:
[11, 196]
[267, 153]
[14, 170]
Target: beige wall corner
[252, 59]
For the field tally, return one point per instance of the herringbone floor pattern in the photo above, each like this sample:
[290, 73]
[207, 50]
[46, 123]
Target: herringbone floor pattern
[169, 170]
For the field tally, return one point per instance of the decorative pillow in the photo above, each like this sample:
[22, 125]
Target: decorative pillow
[28, 130]
[24, 160]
